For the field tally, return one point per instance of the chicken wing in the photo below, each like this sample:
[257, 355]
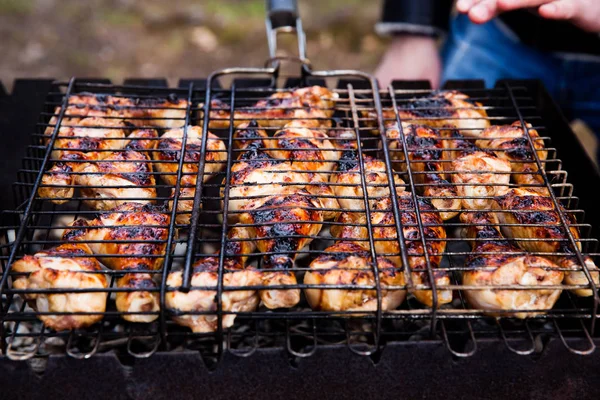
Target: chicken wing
[478, 175]
[149, 112]
[205, 274]
[510, 143]
[352, 226]
[495, 262]
[122, 176]
[533, 216]
[168, 155]
[440, 109]
[89, 139]
[131, 239]
[308, 149]
[68, 266]
[347, 181]
[282, 225]
[425, 151]
[348, 263]
[256, 174]
[309, 103]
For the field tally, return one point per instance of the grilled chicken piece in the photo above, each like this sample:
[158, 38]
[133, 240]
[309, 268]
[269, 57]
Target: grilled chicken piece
[510, 143]
[88, 139]
[347, 181]
[309, 103]
[478, 175]
[256, 174]
[440, 109]
[122, 176]
[307, 148]
[205, 274]
[67, 266]
[348, 263]
[353, 227]
[168, 154]
[425, 150]
[163, 113]
[137, 234]
[528, 207]
[282, 225]
[496, 262]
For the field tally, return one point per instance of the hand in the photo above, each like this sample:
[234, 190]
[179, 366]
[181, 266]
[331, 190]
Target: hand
[584, 14]
[410, 57]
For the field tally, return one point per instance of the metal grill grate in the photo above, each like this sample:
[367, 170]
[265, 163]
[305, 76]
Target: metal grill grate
[199, 202]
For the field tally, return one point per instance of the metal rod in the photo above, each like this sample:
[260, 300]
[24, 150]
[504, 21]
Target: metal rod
[558, 208]
[383, 134]
[172, 222]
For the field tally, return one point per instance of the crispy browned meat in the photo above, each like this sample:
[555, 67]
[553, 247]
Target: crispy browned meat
[348, 263]
[478, 175]
[168, 154]
[256, 174]
[535, 217]
[137, 234]
[425, 152]
[386, 243]
[282, 225]
[308, 149]
[347, 181]
[122, 176]
[142, 112]
[309, 103]
[496, 262]
[437, 110]
[68, 266]
[510, 143]
[205, 274]
[88, 139]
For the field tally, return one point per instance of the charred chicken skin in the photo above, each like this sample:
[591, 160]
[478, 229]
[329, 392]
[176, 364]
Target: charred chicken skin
[307, 148]
[89, 139]
[68, 266]
[347, 180]
[349, 263]
[496, 262]
[440, 109]
[535, 217]
[478, 175]
[282, 225]
[164, 113]
[205, 274]
[310, 103]
[510, 143]
[168, 155]
[137, 235]
[256, 174]
[353, 227]
[425, 151]
[122, 176]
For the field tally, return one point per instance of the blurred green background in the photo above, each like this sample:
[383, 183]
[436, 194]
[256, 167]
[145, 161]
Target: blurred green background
[171, 38]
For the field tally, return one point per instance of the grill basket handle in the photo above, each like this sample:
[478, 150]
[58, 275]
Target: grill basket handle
[282, 13]
[283, 17]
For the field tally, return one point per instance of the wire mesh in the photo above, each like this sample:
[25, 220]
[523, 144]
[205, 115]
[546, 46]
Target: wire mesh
[279, 225]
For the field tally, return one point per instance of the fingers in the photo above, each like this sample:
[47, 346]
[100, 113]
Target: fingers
[508, 5]
[559, 9]
[483, 11]
[464, 6]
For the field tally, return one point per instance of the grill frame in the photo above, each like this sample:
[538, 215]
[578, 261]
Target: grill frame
[445, 334]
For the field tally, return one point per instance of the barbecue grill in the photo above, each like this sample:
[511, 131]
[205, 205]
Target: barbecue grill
[297, 341]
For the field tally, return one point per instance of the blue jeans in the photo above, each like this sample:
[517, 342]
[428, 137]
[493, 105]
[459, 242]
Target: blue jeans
[491, 52]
